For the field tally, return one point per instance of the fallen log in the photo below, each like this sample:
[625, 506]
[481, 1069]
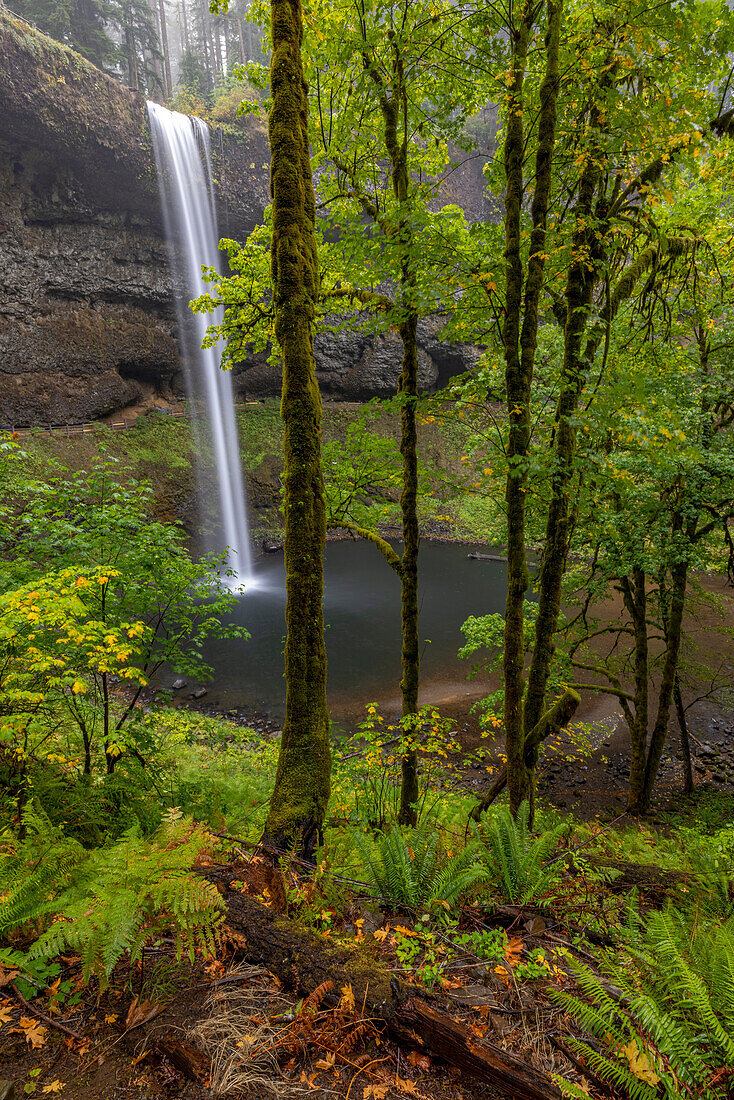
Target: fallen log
[303, 961]
[486, 557]
[655, 882]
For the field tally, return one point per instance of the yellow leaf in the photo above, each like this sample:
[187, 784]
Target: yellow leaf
[640, 1064]
[6, 1015]
[381, 933]
[346, 1003]
[78, 687]
[55, 1086]
[406, 1086]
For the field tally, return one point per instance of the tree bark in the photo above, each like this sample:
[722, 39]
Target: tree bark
[303, 778]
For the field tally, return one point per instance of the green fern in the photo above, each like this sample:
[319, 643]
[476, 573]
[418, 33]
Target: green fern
[111, 901]
[517, 860]
[35, 869]
[412, 868]
[673, 999]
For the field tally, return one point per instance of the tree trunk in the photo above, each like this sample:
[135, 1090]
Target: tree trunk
[303, 778]
[679, 576]
[410, 658]
[635, 598]
[553, 721]
[397, 149]
[168, 82]
[518, 412]
[680, 710]
[184, 27]
[579, 289]
[520, 344]
[685, 742]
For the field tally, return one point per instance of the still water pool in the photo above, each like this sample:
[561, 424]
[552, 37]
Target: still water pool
[362, 614]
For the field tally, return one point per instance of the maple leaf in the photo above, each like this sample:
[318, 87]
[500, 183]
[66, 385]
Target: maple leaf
[35, 1033]
[6, 1016]
[327, 1062]
[381, 933]
[378, 1092]
[408, 1087]
[55, 1086]
[346, 1004]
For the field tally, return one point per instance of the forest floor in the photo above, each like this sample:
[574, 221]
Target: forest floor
[207, 1005]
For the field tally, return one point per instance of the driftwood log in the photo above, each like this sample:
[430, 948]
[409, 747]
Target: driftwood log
[303, 961]
[486, 557]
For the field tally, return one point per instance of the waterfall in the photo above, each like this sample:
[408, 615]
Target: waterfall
[181, 146]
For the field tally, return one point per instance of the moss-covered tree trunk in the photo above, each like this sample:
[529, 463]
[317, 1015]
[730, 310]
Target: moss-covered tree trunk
[520, 333]
[394, 107]
[409, 565]
[580, 282]
[302, 782]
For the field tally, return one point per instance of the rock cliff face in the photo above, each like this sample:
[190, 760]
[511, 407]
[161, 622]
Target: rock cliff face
[356, 366]
[87, 324]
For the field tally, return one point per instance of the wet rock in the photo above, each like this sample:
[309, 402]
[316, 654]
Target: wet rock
[178, 684]
[199, 693]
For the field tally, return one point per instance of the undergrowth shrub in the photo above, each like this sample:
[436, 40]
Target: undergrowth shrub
[517, 861]
[412, 867]
[660, 1016]
[110, 901]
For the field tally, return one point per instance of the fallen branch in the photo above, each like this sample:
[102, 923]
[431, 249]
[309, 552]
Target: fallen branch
[42, 1016]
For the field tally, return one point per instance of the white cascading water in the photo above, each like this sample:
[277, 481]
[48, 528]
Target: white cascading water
[181, 146]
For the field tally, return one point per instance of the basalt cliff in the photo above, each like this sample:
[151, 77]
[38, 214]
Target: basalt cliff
[87, 322]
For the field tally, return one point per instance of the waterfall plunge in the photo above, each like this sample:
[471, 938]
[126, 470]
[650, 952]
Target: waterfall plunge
[181, 146]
